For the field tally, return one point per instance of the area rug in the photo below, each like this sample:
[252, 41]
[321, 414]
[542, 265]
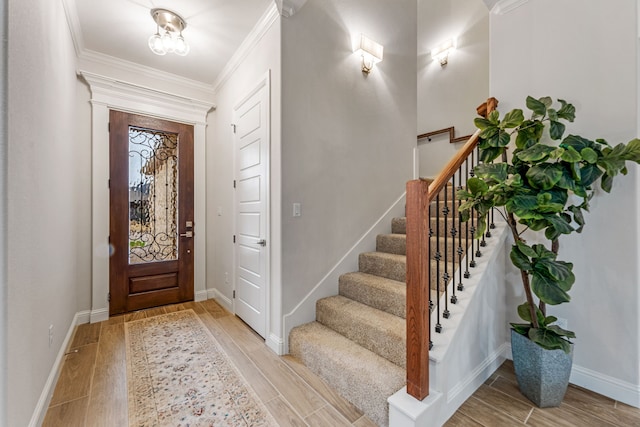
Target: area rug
[178, 375]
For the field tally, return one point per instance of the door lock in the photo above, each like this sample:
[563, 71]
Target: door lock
[262, 242]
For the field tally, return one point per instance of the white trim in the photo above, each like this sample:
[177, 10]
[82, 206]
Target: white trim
[227, 303]
[108, 93]
[49, 386]
[288, 8]
[253, 38]
[505, 6]
[99, 315]
[304, 312]
[73, 21]
[276, 344]
[201, 296]
[614, 388]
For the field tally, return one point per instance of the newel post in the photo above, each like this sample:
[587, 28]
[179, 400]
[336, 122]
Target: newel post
[418, 314]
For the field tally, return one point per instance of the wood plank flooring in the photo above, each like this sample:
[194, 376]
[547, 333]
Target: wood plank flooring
[92, 389]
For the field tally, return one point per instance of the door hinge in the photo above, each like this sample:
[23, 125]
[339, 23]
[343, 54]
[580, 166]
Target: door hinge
[109, 183]
[234, 183]
[109, 239]
[234, 127]
[109, 296]
[234, 238]
[109, 127]
[234, 294]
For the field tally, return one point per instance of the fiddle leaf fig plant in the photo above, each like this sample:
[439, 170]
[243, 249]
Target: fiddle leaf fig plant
[545, 187]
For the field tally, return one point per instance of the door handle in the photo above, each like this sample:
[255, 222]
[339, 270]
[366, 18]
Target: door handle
[262, 242]
[187, 234]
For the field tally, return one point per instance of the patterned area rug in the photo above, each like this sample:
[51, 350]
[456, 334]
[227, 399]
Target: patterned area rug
[178, 375]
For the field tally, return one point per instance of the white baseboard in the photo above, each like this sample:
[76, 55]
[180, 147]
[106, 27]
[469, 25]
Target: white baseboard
[227, 303]
[201, 296]
[276, 344]
[47, 392]
[99, 315]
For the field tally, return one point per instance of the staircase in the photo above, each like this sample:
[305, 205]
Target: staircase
[358, 342]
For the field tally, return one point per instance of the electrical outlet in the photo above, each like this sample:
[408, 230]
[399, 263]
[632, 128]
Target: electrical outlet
[50, 335]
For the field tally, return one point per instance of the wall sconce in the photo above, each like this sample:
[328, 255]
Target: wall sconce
[441, 52]
[171, 41]
[371, 53]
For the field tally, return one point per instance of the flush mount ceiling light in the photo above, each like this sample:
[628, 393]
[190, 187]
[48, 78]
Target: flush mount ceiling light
[171, 40]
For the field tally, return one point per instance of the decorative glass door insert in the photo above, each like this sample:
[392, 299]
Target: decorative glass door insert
[153, 195]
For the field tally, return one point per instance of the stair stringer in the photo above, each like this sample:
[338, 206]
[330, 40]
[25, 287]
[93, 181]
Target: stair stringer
[305, 311]
[473, 344]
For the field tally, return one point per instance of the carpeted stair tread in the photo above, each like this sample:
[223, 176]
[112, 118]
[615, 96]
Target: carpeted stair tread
[373, 329]
[359, 375]
[399, 225]
[375, 291]
[391, 266]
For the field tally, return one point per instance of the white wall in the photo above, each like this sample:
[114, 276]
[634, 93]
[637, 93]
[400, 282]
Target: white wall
[347, 138]
[563, 49]
[262, 58]
[45, 188]
[448, 96]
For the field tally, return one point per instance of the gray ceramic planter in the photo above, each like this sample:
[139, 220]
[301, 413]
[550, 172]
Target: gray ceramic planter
[543, 375]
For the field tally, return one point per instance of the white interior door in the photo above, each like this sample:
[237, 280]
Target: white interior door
[251, 120]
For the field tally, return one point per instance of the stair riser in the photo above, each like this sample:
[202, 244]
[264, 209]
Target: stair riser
[394, 269]
[397, 244]
[375, 292]
[375, 330]
[399, 226]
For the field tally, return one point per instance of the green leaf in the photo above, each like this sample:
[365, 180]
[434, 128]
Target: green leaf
[549, 340]
[494, 117]
[549, 320]
[553, 114]
[577, 142]
[521, 328]
[529, 133]
[567, 111]
[524, 312]
[526, 249]
[571, 155]
[535, 153]
[538, 107]
[520, 260]
[589, 174]
[589, 155]
[492, 171]
[556, 130]
[558, 270]
[578, 217]
[562, 332]
[477, 186]
[606, 182]
[488, 155]
[512, 119]
[482, 123]
[544, 176]
[561, 225]
[547, 289]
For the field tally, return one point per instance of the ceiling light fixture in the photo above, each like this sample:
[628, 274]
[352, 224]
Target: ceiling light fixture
[171, 40]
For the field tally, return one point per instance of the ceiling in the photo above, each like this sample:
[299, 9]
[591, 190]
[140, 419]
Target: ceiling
[121, 29]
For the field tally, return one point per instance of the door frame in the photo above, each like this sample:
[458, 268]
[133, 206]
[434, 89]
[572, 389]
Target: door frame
[108, 93]
[265, 81]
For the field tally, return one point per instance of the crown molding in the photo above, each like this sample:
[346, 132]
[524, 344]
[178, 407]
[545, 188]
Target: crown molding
[261, 28]
[287, 8]
[73, 21]
[505, 6]
[88, 57]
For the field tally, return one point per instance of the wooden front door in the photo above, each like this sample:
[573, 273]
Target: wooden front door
[151, 212]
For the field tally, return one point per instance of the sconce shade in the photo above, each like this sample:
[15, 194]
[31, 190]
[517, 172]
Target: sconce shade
[441, 52]
[371, 52]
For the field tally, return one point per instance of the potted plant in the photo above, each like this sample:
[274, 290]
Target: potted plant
[545, 187]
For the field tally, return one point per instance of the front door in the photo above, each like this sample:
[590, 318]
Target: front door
[251, 118]
[151, 212]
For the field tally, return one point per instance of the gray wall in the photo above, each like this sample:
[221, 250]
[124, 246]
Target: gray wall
[47, 198]
[564, 49]
[347, 139]
[448, 96]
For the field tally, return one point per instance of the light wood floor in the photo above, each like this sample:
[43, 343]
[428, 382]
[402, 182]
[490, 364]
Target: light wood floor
[91, 390]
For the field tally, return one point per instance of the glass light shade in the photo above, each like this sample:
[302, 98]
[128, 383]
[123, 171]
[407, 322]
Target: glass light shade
[155, 44]
[181, 46]
[168, 42]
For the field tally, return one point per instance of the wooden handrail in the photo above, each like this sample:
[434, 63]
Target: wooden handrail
[419, 196]
[450, 130]
[454, 164]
